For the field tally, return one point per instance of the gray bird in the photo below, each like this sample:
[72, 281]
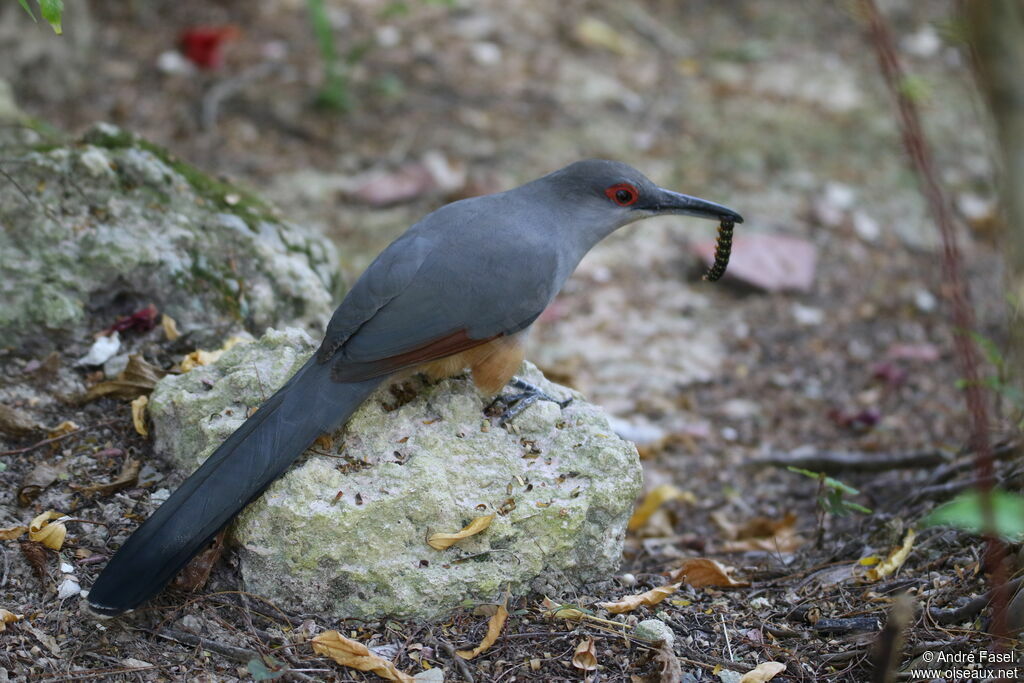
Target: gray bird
[459, 289]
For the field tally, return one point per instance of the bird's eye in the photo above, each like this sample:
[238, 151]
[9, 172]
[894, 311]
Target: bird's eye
[622, 194]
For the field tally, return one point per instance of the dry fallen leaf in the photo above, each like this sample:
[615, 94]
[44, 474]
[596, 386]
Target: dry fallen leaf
[197, 572]
[7, 617]
[11, 533]
[585, 656]
[65, 427]
[16, 422]
[760, 533]
[895, 560]
[355, 655]
[41, 476]
[670, 670]
[44, 530]
[200, 357]
[765, 671]
[654, 499]
[139, 414]
[443, 541]
[559, 611]
[37, 558]
[128, 476]
[701, 571]
[170, 326]
[631, 602]
[138, 378]
[494, 626]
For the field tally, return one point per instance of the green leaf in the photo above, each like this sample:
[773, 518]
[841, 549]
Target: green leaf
[831, 483]
[916, 89]
[964, 512]
[850, 505]
[24, 6]
[52, 11]
[989, 350]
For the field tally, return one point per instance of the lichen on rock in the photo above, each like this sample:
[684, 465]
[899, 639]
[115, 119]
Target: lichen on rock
[102, 227]
[345, 531]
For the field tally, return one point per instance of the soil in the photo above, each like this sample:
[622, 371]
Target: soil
[776, 109]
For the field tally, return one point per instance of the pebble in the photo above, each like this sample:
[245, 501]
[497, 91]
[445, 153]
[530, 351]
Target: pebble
[655, 631]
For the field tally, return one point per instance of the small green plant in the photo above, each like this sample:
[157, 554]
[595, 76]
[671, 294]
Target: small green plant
[831, 499]
[832, 494]
[52, 11]
[1001, 382]
[334, 91]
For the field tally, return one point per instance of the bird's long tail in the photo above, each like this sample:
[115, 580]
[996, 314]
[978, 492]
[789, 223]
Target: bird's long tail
[256, 454]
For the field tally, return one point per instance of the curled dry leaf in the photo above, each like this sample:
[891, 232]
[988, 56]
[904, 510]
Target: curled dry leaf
[355, 655]
[37, 558]
[138, 378]
[200, 357]
[45, 530]
[765, 671]
[139, 415]
[17, 423]
[631, 602]
[11, 533]
[654, 499]
[65, 427]
[558, 611]
[197, 572]
[128, 476]
[170, 326]
[41, 476]
[895, 560]
[701, 571]
[669, 668]
[443, 541]
[494, 626]
[585, 656]
[761, 533]
[8, 617]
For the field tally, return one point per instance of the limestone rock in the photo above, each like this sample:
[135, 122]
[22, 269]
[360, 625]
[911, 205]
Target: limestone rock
[107, 226]
[345, 532]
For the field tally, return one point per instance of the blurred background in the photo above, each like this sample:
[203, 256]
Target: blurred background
[357, 117]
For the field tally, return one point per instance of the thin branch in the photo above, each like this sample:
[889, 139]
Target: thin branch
[54, 439]
[832, 462]
[967, 356]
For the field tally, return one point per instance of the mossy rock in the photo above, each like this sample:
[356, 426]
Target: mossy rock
[112, 223]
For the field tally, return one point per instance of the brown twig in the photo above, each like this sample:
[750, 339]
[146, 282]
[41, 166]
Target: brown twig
[956, 289]
[458, 661]
[238, 654]
[54, 439]
[831, 462]
[970, 609]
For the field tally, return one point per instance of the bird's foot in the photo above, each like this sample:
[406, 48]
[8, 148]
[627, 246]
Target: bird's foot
[512, 405]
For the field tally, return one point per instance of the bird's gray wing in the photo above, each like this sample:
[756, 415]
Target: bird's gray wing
[387, 277]
[427, 297]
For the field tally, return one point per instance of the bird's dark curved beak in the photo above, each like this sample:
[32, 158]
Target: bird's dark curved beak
[669, 202]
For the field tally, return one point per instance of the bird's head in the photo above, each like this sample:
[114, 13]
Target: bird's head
[613, 194]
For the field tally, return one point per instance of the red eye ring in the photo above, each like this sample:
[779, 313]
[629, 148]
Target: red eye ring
[622, 194]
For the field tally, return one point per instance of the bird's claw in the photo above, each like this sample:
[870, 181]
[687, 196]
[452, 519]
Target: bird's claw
[514, 404]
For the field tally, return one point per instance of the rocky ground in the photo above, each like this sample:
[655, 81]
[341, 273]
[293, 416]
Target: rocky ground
[776, 109]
